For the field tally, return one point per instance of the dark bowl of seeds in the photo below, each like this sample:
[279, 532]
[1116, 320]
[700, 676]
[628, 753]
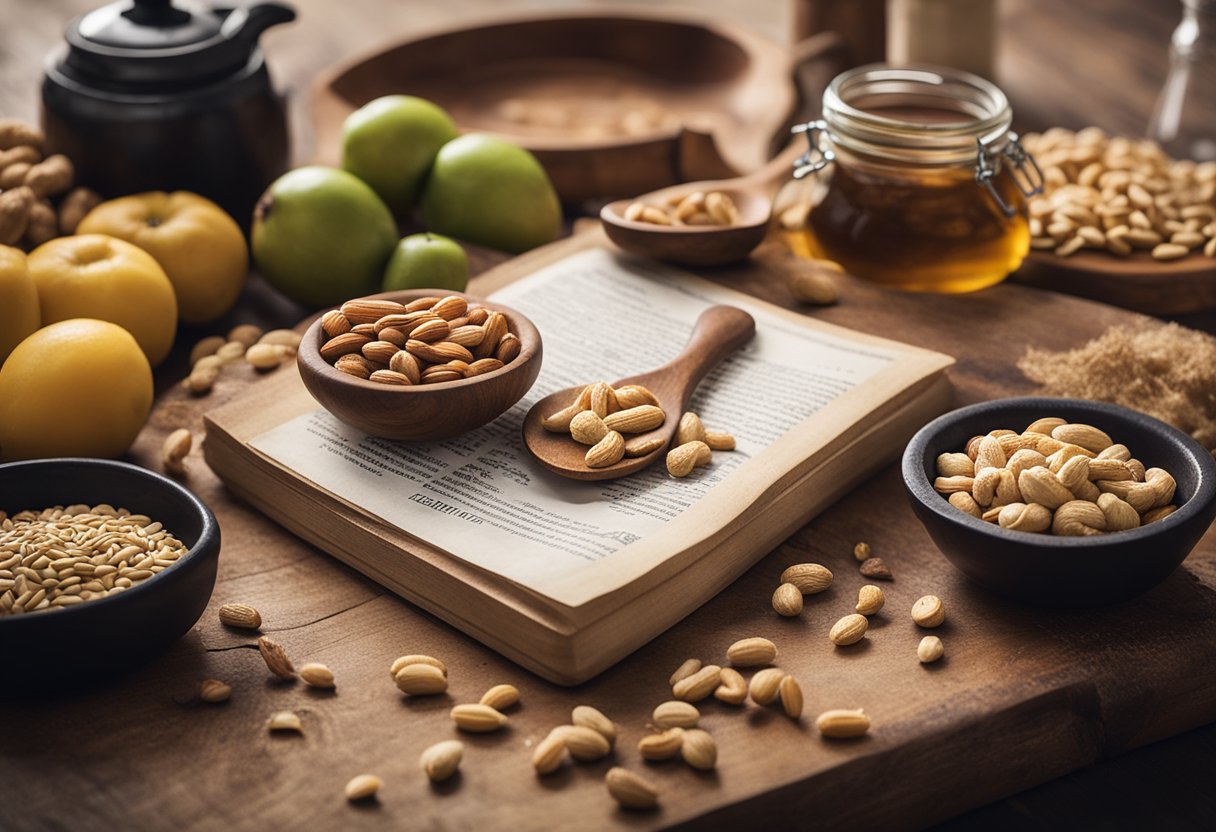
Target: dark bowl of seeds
[103, 565]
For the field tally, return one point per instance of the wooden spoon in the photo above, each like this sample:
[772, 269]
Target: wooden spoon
[718, 332]
[706, 245]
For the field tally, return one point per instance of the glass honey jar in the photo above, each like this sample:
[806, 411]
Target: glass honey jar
[913, 180]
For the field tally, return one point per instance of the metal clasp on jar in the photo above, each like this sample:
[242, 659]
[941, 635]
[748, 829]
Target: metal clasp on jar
[1026, 177]
[816, 157]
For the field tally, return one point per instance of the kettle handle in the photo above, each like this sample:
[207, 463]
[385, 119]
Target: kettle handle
[247, 23]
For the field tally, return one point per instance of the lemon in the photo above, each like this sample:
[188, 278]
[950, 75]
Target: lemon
[201, 248]
[19, 315]
[98, 276]
[79, 387]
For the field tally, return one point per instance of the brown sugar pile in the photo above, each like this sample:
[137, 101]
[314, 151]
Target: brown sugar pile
[1164, 370]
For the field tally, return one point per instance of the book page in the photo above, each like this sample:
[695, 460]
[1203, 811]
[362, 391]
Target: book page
[602, 316]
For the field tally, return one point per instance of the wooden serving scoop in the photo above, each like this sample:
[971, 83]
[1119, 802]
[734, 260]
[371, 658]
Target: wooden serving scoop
[718, 332]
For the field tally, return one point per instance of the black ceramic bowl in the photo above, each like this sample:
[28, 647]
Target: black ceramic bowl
[1044, 569]
[107, 635]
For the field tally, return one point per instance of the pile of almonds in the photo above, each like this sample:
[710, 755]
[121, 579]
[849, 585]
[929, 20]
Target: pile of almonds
[28, 183]
[696, 208]
[1119, 195]
[1069, 479]
[426, 341]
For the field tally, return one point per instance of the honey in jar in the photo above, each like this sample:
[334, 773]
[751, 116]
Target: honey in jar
[917, 183]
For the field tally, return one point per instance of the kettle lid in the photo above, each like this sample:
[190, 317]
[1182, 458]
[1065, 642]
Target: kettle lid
[167, 42]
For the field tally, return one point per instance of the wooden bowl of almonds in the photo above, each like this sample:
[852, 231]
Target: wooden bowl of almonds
[1060, 502]
[420, 365]
[103, 564]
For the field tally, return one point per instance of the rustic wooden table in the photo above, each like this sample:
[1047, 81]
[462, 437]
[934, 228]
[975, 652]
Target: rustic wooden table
[141, 754]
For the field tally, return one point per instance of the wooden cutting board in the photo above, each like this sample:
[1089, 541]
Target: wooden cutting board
[1022, 696]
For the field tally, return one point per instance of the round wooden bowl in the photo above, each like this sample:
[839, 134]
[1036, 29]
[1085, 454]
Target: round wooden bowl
[425, 411]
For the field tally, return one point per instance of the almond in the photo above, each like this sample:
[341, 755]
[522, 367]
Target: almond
[765, 685]
[588, 717]
[276, 658]
[495, 328]
[406, 364]
[482, 366]
[791, 697]
[810, 578]
[317, 675]
[699, 685]
[718, 440]
[587, 428]
[467, 336]
[849, 630]
[634, 395]
[676, 714]
[508, 348]
[608, 451]
[584, 744]
[390, 377]
[787, 600]
[642, 446]
[356, 365]
[689, 667]
[441, 760]
[547, 757]
[451, 307]
[362, 787]
[841, 724]
[751, 652]
[682, 459]
[344, 344]
[421, 680]
[603, 399]
[640, 419]
[333, 324]
[699, 750]
[630, 790]
[416, 658]
[500, 697]
[662, 746]
[435, 329]
[690, 429]
[368, 311]
[477, 719]
[421, 304]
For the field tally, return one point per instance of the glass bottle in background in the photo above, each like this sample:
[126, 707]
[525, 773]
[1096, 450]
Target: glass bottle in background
[1184, 117]
[960, 34]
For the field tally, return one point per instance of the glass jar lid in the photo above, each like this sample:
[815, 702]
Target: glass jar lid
[923, 115]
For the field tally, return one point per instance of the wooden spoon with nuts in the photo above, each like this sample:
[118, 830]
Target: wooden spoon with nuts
[704, 245]
[718, 332]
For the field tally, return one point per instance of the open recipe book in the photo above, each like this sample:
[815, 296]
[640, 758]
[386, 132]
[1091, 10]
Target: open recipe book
[567, 577]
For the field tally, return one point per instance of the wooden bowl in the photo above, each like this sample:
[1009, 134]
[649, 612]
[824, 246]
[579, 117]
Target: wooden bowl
[717, 94]
[86, 644]
[1050, 571]
[426, 411]
[1136, 282]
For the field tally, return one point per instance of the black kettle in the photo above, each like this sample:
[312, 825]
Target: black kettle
[152, 95]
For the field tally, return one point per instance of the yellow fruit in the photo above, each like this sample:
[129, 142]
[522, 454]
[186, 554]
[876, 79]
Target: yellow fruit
[19, 315]
[196, 243]
[95, 276]
[79, 387]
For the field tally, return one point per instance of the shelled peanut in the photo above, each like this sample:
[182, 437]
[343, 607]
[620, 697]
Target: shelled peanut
[426, 341]
[693, 445]
[29, 181]
[1069, 479]
[263, 351]
[696, 208]
[1120, 195]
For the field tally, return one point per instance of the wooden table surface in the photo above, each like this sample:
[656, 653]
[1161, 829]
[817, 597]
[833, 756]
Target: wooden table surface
[141, 755]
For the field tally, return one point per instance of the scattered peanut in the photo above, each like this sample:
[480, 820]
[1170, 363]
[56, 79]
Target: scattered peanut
[699, 750]
[441, 760]
[810, 578]
[842, 724]
[241, 616]
[362, 787]
[787, 600]
[285, 721]
[870, 599]
[477, 719]
[849, 630]
[174, 451]
[276, 658]
[930, 649]
[676, 714]
[928, 612]
[214, 691]
[630, 790]
[751, 652]
[500, 697]
[317, 675]
[815, 282]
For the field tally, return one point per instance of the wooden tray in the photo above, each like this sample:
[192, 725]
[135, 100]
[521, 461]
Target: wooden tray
[1137, 282]
[613, 104]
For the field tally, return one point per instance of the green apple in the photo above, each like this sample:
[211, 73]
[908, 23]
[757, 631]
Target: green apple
[427, 261]
[321, 236]
[390, 144]
[486, 190]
